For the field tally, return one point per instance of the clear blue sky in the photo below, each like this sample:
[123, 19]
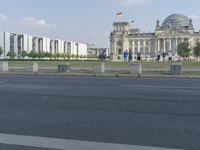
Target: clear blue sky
[88, 21]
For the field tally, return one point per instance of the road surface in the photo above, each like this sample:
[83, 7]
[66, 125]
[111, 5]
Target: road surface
[121, 112]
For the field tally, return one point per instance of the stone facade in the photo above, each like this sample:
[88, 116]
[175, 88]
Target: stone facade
[174, 30]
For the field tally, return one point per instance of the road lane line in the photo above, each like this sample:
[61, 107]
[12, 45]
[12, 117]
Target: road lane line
[64, 144]
[164, 87]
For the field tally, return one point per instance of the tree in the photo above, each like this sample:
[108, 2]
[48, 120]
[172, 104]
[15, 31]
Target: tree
[68, 55]
[63, 55]
[33, 54]
[73, 56]
[47, 55]
[11, 54]
[1, 51]
[77, 56]
[84, 56]
[24, 54]
[183, 49]
[41, 54]
[81, 56]
[197, 49]
[57, 55]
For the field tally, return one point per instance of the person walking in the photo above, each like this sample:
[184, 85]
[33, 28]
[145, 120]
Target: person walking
[163, 56]
[158, 57]
[170, 56]
[130, 56]
[125, 55]
[138, 56]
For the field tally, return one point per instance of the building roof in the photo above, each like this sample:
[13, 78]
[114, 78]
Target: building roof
[176, 20]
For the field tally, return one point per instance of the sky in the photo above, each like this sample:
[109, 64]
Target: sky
[88, 21]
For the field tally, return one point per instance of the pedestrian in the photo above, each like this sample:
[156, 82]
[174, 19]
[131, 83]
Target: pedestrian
[163, 55]
[130, 56]
[170, 56]
[158, 57]
[125, 55]
[138, 56]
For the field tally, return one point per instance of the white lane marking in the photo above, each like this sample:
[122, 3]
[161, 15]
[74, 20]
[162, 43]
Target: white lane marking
[64, 144]
[164, 87]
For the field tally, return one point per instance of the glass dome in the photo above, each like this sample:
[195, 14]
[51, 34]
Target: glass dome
[176, 20]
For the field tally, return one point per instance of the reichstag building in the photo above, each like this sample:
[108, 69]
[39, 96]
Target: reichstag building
[174, 30]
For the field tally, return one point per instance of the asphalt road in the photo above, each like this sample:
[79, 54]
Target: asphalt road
[158, 112]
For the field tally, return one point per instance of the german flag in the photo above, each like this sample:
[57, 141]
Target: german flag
[119, 14]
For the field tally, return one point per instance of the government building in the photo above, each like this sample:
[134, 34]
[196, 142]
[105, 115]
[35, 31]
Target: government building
[23, 42]
[175, 29]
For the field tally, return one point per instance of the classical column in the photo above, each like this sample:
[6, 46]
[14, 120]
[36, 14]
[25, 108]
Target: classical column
[125, 44]
[164, 46]
[133, 47]
[138, 46]
[114, 47]
[176, 42]
[158, 45]
[170, 44]
[144, 47]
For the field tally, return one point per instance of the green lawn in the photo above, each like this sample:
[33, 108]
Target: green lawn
[107, 63]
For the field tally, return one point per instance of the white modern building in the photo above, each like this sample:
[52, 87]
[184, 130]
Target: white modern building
[23, 42]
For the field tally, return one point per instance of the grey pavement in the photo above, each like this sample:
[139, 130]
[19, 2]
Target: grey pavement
[157, 112]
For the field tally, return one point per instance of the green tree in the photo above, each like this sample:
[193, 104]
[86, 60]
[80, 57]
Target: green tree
[33, 54]
[63, 55]
[57, 55]
[11, 54]
[197, 49]
[68, 56]
[77, 56]
[81, 56]
[73, 56]
[85, 56]
[41, 54]
[24, 54]
[47, 55]
[1, 51]
[183, 49]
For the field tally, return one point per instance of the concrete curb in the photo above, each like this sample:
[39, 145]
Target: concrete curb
[102, 75]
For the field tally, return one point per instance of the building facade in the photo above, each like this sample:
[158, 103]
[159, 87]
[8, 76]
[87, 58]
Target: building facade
[23, 42]
[93, 50]
[175, 29]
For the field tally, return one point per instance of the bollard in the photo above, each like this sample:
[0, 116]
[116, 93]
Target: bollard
[99, 68]
[3, 66]
[176, 68]
[64, 68]
[32, 67]
[136, 69]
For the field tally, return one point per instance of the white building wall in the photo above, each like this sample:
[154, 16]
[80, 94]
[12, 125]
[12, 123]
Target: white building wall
[16, 46]
[44, 44]
[2, 43]
[73, 48]
[7, 43]
[62, 47]
[47, 45]
[30, 43]
[82, 48]
[25, 42]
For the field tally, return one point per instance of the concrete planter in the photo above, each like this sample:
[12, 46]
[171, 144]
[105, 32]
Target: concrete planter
[99, 68]
[136, 69]
[3, 66]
